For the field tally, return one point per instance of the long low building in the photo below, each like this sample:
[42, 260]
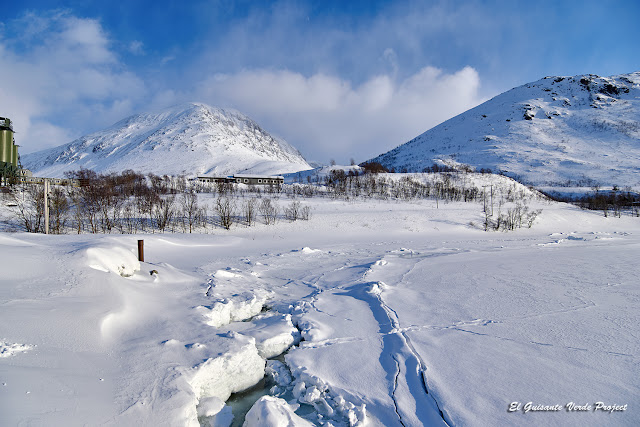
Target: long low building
[53, 181]
[243, 179]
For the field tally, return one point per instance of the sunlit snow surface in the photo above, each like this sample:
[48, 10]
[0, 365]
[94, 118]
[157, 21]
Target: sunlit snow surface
[398, 313]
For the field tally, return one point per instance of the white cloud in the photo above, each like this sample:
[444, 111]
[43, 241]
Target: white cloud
[81, 40]
[61, 79]
[167, 59]
[325, 116]
[390, 56]
[136, 47]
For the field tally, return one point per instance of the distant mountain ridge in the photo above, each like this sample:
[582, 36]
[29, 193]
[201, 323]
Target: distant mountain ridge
[189, 139]
[581, 130]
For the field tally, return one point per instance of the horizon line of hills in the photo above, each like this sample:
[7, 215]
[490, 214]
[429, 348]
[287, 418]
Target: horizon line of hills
[557, 131]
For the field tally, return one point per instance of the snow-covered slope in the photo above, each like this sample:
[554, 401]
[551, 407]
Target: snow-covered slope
[190, 139]
[583, 129]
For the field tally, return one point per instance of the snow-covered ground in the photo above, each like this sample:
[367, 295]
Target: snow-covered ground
[399, 313]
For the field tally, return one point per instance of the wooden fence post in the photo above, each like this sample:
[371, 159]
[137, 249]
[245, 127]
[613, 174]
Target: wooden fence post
[141, 250]
[46, 206]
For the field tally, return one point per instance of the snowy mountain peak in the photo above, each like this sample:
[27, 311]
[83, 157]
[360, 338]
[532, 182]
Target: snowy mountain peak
[190, 139]
[580, 130]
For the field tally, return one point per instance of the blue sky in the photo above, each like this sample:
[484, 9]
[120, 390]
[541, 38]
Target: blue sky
[336, 79]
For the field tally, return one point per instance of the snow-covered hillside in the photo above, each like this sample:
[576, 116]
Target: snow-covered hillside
[583, 129]
[190, 139]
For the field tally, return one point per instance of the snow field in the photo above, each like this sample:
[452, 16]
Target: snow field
[547, 338]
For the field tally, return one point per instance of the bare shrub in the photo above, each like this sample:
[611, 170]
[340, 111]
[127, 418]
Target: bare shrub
[29, 206]
[516, 217]
[292, 212]
[129, 220]
[225, 207]
[59, 207]
[296, 211]
[189, 209]
[249, 209]
[164, 211]
[269, 211]
[203, 217]
[305, 213]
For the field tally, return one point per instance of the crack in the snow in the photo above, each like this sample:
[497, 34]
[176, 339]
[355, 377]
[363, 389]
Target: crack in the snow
[394, 320]
[395, 387]
[399, 348]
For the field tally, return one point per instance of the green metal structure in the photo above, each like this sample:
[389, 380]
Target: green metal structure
[9, 167]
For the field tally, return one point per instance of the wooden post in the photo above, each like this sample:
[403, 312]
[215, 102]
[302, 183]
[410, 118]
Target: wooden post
[46, 206]
[141, 250]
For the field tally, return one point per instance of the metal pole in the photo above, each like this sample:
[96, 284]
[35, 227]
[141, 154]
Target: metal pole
[491, 199]
[46, 206]
[141, 250]
[484, 199]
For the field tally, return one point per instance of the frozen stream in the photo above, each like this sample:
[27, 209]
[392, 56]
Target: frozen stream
[313, 398]
[370, 323]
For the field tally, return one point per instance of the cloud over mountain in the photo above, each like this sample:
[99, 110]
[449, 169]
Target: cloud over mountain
[330, 116]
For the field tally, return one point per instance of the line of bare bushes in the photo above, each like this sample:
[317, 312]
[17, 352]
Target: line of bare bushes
[131, 203]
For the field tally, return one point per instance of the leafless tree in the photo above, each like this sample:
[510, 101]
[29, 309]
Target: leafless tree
[292, 212]
[305, 213]
[29, 206]
[296, 211]
[203, 217]
[189, 207]
[249, 208]
[163, 211]
[146, 201]
[269, 211]
[59, 207]
[129, 218]
[225, 207]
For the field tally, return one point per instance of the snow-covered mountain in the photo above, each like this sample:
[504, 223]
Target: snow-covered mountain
[191, 139]
[583, 129]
